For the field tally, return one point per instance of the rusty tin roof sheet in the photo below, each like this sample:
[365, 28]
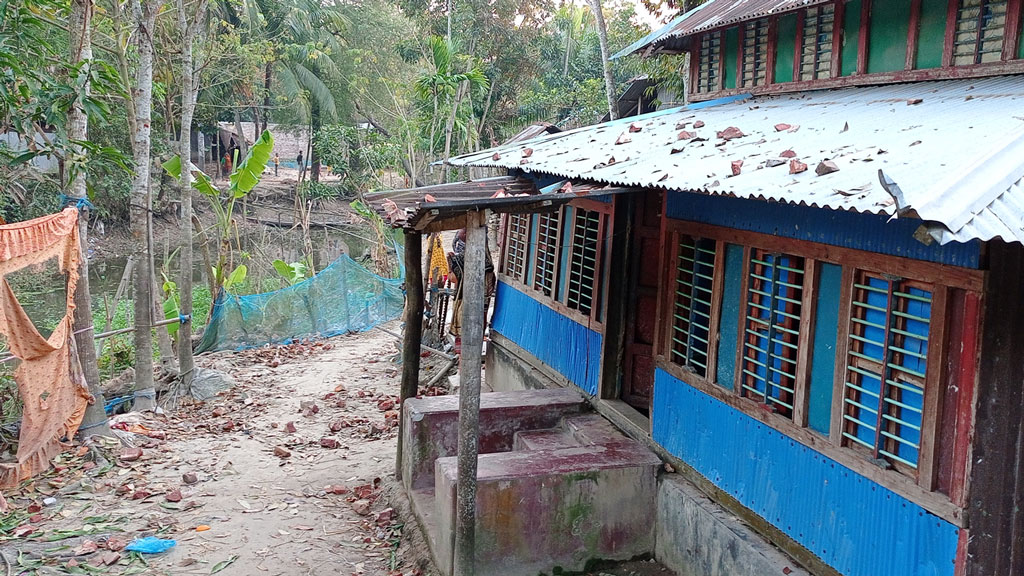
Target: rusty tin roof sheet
[950, 151]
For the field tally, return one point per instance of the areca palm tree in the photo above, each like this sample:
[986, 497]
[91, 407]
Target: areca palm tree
[442, 84]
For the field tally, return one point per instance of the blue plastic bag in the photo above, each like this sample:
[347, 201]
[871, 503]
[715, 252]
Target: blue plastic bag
[150, 545]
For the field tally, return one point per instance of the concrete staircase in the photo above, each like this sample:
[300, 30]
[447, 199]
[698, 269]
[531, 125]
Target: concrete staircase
[557, 486]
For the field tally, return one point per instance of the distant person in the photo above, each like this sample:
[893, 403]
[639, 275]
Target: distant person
[277, 163]
[302, 165]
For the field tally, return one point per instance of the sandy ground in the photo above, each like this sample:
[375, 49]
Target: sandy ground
[316, 500]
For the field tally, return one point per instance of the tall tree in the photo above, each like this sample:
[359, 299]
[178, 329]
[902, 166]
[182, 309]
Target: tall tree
[80, 28]
[609, 79]
[189, 27]
[144, 14]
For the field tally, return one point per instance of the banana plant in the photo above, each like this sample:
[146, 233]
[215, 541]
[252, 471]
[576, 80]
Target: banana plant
[243, 180]
[293, 272]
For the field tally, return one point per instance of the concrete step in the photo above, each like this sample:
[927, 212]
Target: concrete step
[430, 427]
[542, 509]
[593, 429]
[548, 439]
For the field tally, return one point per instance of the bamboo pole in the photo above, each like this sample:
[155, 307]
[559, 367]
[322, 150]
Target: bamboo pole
[469, 392]
[108, 334]
[413, 331]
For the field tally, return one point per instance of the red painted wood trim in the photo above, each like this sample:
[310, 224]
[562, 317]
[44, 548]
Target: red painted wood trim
[967, 380]
[959, 72]
[863, 37]
[947, 47]
[773, 47]
[801, 20]
[1011, 36]
[913, 33]
[960, 562]
[836, 70]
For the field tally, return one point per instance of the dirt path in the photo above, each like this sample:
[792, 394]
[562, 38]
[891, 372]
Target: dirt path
[289, 470]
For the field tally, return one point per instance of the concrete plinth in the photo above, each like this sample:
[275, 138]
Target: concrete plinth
[698, 538]
[431, 426]
[539, 510]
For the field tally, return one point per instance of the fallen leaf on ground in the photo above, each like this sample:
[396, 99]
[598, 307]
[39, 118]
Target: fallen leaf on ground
[223, 564]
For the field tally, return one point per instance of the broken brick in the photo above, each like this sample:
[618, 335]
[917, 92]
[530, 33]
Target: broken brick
[623, 139]
[282, 452]
[337, 425]
[782, 127]
[737, 167]
[527, 152]
[173, 496]
[698, 124]
[826, 167]
[788, 154]
[796, 166]
[684, 135]
[635, 127]
[290, 427]
[337, 489]
[361, 507]
[330, 443]
[130, 454]
[731, 133]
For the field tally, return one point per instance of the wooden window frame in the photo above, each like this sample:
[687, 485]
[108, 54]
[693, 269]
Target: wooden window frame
[544, 259]
[766, 57]
[594, 321]
[953, 23]
[808, 297]
[506, 247]
[598, 285]
[718, 63]
[920, 490]
[664, 331]
[834, 42]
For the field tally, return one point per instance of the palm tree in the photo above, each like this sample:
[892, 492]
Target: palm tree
[609, 80]
[442, 84]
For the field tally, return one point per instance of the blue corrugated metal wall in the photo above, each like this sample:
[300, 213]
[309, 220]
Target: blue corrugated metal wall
[563, 344]
[853, 524]
[869, 232]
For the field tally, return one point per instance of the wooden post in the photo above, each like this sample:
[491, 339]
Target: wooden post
[469, 392]
[413, 331]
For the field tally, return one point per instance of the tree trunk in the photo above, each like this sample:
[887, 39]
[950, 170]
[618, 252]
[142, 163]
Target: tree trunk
[189, 91]
[267, 74]
[145, 12]
[609, 80]
[450, 127]
[315, 122]
[95, 419]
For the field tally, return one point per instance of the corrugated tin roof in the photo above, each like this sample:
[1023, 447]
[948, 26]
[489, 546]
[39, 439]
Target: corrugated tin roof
[714, 14]
[944, 145]
[442, 206]
[532, 131]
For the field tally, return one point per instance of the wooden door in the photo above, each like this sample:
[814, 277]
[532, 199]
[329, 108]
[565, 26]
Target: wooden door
[638, 372]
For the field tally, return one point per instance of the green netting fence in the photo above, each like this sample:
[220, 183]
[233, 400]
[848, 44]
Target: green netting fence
[344, 297]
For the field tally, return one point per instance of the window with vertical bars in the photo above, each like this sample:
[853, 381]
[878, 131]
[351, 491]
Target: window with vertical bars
[708, 61]
[517, 245]
[980, 28]
[816, 42]
[771, 330]
[582, 288]
[548, 228]
[755, 54]
[883, 394]
[691, 304]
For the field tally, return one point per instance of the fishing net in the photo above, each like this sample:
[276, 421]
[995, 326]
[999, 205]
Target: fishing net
[343, 298]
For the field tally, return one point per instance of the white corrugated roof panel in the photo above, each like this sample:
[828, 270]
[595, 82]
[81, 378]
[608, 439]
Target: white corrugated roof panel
[949, 148]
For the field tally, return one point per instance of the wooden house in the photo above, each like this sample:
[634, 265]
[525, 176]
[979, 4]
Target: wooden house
[802, 290]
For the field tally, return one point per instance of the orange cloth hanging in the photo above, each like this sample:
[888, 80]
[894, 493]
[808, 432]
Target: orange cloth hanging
[54, 396]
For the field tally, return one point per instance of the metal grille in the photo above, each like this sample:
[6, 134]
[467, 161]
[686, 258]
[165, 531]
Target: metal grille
[816, 46]
[771, 332]
[518, 242]
[755, 54]
[980, 28]
[548, 227]
[581, 289]
[883, 397]
[691, 310]
[708, 62]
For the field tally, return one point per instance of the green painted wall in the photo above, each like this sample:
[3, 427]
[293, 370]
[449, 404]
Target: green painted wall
[851, 37]
[1020, 45]
[786, 46]
[932, 38]
[887, 43]
[731, 52]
